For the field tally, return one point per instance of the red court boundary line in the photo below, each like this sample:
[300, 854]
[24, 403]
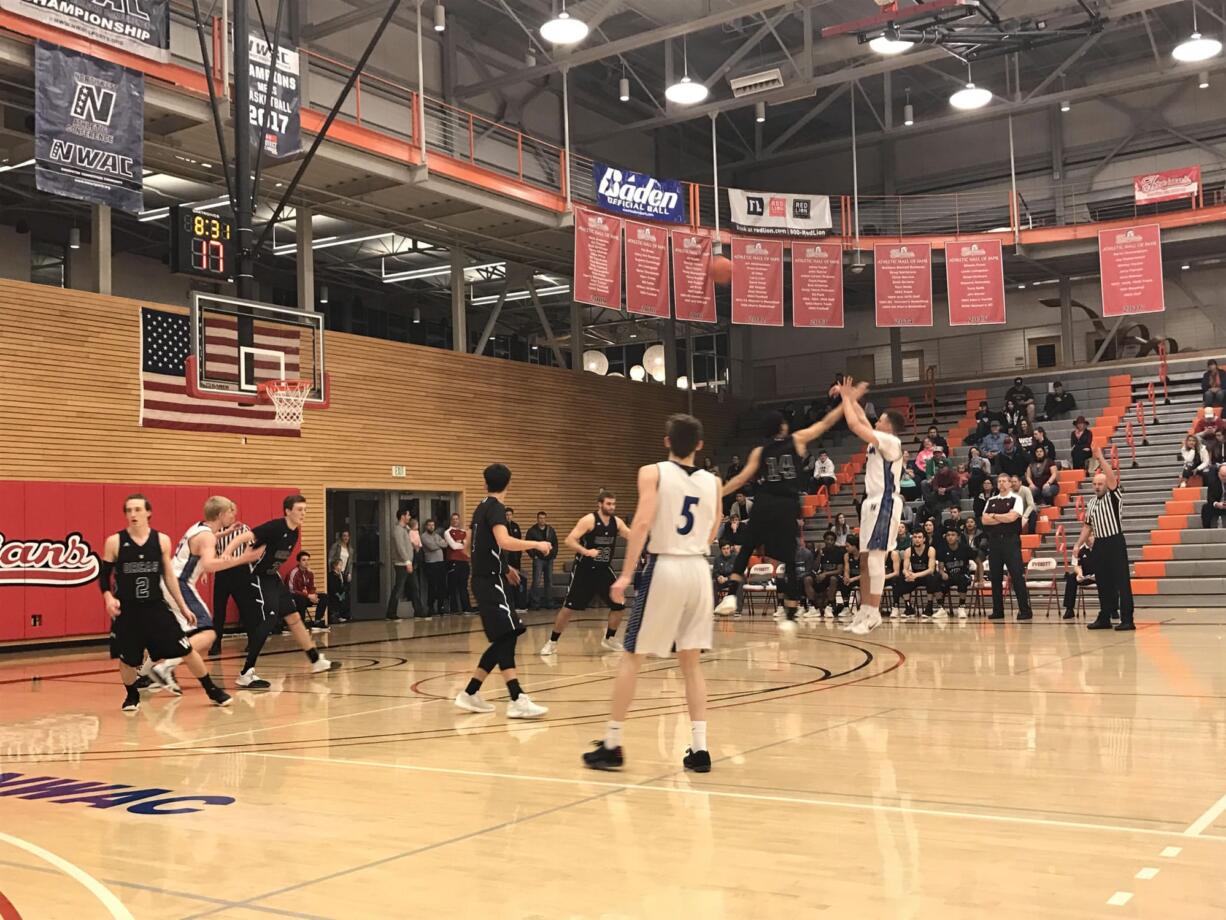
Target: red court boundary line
[7, 910]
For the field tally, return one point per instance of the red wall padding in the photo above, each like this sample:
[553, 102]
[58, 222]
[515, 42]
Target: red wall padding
[33, 511]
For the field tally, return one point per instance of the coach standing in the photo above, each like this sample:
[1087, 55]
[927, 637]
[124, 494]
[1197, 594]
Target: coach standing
[1002, 521]
[1110, 551]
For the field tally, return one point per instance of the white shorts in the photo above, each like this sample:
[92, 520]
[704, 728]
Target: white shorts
[674, 606]
[879, 517]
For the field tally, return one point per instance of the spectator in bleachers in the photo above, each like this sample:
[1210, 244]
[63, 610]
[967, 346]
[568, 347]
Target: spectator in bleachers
[986, 491]
[1210, 422]
[907, 483]
[1214, 511]
[937, 498]
[709, 465]
[978, 468]
[1030, 514]
[953, 521]
[1041, 440]
[721, 570]
[808, 473]
[919, 465]
[955, 558]
[920, 571]
[1081, 440]
[842, 532]
[902, 542]
[850, 580]
[741, 507]
[1213, 385]
[934, 435]
[1217, 449]
[975, 538]
[733, 530]
[1079, 577]
[1011, 460]
[823, 471]
[908, 516]
[1195, 459]
[1023, 398]
[734, 468]
[1012, 415]
[1024, 436]
[993, 442]
[1041, 478]
[937, 462]
[1058, 403]
[929, 530]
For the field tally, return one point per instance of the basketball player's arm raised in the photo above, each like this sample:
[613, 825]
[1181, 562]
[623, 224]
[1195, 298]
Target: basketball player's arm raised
[752, 462]
[585, 524]
[204, 545]
[644, 514]
[817, 429]
[110, 552]
[172, 583]
[857, 421]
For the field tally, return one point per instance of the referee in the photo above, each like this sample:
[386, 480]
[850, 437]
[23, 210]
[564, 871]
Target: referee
[1110, 550]
[1002, 521]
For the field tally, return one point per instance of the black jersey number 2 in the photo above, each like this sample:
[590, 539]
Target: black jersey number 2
[782, 467]
[142, 588]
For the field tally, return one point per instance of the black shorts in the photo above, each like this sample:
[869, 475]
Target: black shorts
[960, 582]
[774, 525]
[149, 627]
[588, 582]
[498, 616]
[271, 597]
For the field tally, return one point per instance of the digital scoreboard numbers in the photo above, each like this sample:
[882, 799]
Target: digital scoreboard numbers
[201, 244]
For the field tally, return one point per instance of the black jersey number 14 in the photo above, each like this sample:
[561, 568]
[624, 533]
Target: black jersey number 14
[782, 467]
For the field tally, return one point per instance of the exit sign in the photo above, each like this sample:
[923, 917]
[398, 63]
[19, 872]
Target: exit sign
[400, 472]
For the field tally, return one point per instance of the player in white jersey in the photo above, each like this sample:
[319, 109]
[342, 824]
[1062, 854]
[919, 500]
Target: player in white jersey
[679, 513]
[882, 507]
[196, 555]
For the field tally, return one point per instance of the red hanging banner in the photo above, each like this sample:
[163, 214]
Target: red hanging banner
[757, 282]
[1130, 262]
[817, 285]
[903, 276]
[598, 259]
[646, 269]
[975, 277]
[693, 287]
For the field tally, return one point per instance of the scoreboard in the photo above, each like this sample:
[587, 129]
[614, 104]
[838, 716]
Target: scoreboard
[201, 244]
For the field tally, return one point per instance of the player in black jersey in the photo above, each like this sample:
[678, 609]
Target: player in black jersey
[920, 570]
[136, 559]
[487, 543]
[956, 559]
[851, 569]
[593, 539]
[829, 575]
[774, 524]
[268, 599]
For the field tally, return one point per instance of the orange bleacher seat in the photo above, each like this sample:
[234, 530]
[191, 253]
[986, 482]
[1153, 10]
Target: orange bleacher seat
[1049, 513]
[1062, 499]
[1175, 506]
[1043, 527]
[1187, 493]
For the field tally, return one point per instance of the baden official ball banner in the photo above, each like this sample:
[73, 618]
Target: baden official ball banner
[646, 269]
[1166, 186]
[757, 282]
[638, 194]
[779, 214]
[975, 280]
[279, 121]
[136, 26]
[902, 273]
[693, 286]
[1130, 263]
[89, 128]
[598, 259]
[817, 285]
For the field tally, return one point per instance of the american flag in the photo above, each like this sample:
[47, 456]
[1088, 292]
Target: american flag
[165, 401]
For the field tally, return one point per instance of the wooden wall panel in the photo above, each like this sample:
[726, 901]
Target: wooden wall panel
[70, 398]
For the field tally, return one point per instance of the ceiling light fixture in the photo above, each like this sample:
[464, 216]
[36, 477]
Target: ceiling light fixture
[564, 29]
[1196, 47]
[623, 89]
[74, 238]
[908, 111]
[323, 293]
[417, 316]
[1203, 80]
[890, 44]
[759, 112]
[685, 91]
[1065, 105]
[970, 97]
[440, 18]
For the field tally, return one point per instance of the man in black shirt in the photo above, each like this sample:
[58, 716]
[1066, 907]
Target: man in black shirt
[828, 577]
[488, 539]
[721, 571]
[269, 600]
[955, 558]
[519, 591]
[1058, 403]
[1002, 519]
[934, 435]
[1023, 398]
[542, 563]
[1081, 576]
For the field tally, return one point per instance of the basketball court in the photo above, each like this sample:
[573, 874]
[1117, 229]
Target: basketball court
[964, 771]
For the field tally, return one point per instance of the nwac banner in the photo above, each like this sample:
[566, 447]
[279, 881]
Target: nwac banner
[280, 123]
[136, 26]
[89, 127]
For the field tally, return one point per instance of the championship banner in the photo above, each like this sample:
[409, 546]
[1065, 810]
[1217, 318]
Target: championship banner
[693, 286]
[779, 214]
[1167, 186]
[89, 128]
[136, 26]
[598, 259]
[975, 280]
[817, 285]
[638, 194]
[281, 125]
[646, 269]
[757, 282]
[1130, 263]
[903, 278]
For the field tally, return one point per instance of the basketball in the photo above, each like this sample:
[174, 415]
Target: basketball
[721, 269]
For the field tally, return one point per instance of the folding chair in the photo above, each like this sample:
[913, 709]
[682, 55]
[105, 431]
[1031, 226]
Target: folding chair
[1084, 587]
[979, 584]
[759, 587]
[1041, 577]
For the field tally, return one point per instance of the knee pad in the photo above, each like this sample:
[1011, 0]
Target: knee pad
[505, 652]
[876, 572]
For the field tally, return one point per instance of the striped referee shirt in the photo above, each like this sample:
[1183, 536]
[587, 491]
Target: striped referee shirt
[1103, 515]
[225, 539]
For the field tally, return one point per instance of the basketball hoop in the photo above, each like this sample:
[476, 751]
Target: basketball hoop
[287, 397]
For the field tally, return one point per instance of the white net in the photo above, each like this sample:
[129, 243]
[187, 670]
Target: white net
[288, 397]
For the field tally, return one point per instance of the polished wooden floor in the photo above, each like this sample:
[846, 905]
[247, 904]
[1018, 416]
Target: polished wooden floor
[959, 771]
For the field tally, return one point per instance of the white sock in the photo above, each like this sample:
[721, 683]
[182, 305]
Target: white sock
[613, 735]
[699, 730]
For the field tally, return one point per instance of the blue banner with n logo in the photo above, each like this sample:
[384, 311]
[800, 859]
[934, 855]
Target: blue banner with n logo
[638, 194]
[89, 128]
